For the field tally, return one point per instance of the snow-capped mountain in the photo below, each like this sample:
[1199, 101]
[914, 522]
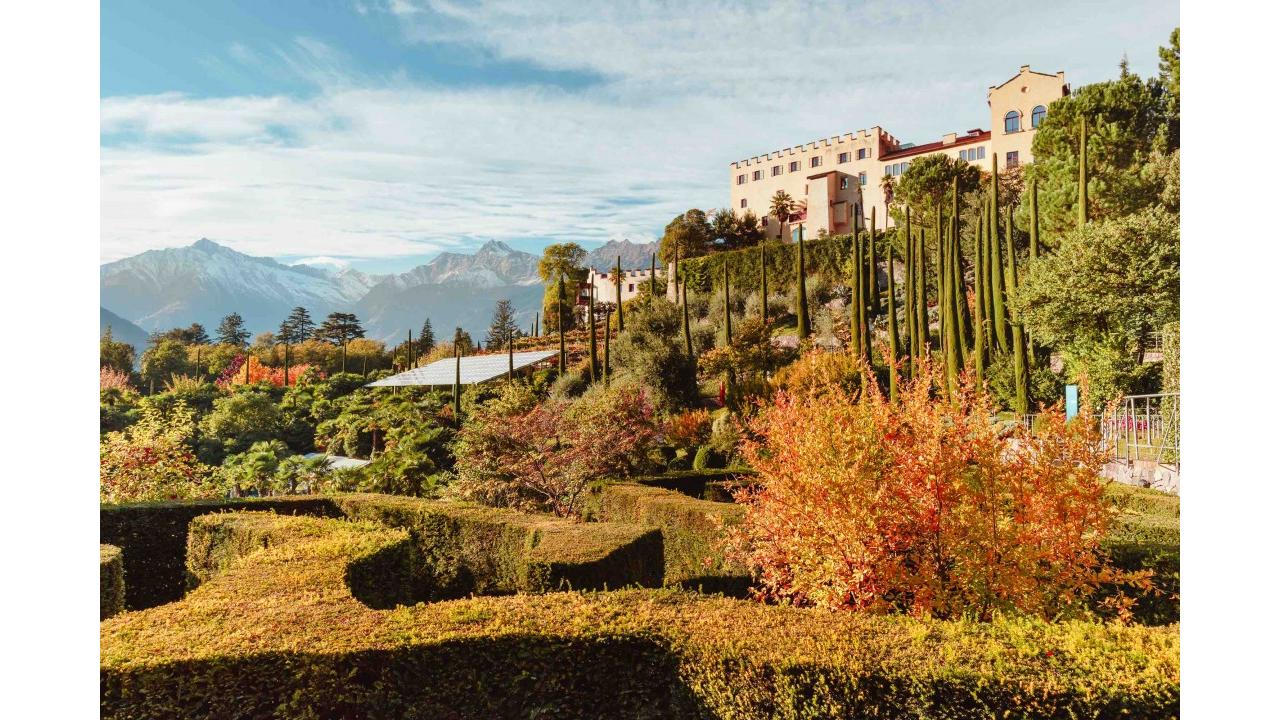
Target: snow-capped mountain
[495, 264]
[635, 256]
[162, 289]
[202, 282]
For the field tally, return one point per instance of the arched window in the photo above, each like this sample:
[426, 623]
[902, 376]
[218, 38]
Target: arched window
[1011, 124]
[1037, 116]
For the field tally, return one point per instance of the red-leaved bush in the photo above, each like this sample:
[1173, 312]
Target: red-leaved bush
[927, 506]
[545, 456]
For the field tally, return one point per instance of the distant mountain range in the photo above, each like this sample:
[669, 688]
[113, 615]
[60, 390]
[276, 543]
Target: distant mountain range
[122, 330]
[205, 281]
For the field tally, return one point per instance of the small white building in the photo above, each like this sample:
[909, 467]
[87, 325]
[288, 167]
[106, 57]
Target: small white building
[602, 285]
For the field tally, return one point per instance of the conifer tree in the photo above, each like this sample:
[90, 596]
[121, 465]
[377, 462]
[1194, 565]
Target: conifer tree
[560, 322]
[501, 325]
[893, 327]
[802, 299]
[457, 381]
[999, 324]
[231, 331]
[764, 286]
[297, 327]
[618, 291]
[857, 298]
[873, 284]
[684, 304]
[653, 275]
[411, 358]
[606, 347]
[979, 310]
[728, 311]
[908, 293]
[340, 328]
[1021, 374]
[922, 303]
[511, 358]
[1035, 221]
[427, 337]
[591, 334]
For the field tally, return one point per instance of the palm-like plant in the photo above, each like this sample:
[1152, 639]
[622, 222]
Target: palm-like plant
[886, 187]
[782, 206]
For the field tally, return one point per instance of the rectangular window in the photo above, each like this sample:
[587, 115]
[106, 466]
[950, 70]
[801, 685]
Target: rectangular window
[815, 162]
[742, 202]
[961, 154]
[862, 178]
[844, 183]
[844, 157]
[777, 170]
[795, 165]
[742, 179]
[1011, 159]
[757, 175]
[982, 153]
[888, 169]
[862, 153]
[632, 288]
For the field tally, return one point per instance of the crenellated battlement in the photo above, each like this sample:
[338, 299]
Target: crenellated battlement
[871, 137]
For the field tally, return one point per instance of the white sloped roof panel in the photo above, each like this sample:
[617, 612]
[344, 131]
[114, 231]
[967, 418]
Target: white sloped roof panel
[475, 369]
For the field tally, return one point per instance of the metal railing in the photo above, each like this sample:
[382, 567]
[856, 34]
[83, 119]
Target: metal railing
[1144, 427]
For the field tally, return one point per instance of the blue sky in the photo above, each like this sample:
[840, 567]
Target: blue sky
[377, 133]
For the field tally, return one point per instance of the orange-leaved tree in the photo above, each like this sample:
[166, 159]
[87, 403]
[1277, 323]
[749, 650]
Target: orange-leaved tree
[926, 506]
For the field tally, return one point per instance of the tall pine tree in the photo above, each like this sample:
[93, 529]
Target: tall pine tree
[501, 326]
[231, 331]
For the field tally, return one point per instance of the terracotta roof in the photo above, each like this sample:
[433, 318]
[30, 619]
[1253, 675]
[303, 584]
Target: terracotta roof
[961, 140]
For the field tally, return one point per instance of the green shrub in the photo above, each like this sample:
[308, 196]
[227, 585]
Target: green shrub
[707, 458]
[691, 533]
[461, 548]
[110, 581]
[279, 633]
[1146, 536]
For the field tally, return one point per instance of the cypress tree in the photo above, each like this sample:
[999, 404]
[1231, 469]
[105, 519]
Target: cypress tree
[979, 311]
[606, 348]
[286, 363]
[864, 321]
[560, 324]
[728, 315]
[457, 379]
[857, 298]
[893, 328]
[922, 304]
[802, 300]
[511, 357]
[619, 293]
[684, 304]
[909, 294]
[591, 333]
[764, 286]
[1083, 215]
[946, 309]
[873, 285]
[1035, 220]
[965, 328]
[1000, 317]
[1021, 374]
[653, 274]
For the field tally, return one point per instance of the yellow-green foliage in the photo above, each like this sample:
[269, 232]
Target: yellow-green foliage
[278, 633]
[1146, 536]
[110, 581]
[691, 533]
[459, 548]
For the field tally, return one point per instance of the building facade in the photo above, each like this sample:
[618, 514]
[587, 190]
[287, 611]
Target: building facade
[602, 286]
[836, 181]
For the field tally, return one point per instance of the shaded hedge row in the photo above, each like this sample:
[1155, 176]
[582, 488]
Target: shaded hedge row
[458, 548]
[277, 633]
[110, 581]
[1147, 536]
[691, 532]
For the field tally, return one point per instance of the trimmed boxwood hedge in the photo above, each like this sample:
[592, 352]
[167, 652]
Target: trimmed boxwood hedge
[1147, 536]
[460, 548]
[278, 633]
[691, 531]
[110, 581]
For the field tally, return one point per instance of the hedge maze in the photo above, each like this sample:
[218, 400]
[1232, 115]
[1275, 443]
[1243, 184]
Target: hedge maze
[384, 607]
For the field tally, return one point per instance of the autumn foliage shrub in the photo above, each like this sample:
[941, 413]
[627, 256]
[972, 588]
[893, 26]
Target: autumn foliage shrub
[543, 458]
[112, 379]
[688, 429]
[299, 374]
[926, 506]
[152, 460]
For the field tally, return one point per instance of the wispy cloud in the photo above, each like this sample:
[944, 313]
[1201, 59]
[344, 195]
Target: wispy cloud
[382, 167]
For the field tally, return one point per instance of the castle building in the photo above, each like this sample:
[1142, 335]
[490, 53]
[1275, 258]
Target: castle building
[836, 181]
[602, 286]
